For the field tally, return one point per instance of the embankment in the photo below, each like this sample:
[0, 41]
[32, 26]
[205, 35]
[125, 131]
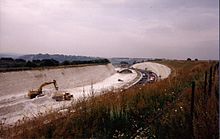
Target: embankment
[22, 81]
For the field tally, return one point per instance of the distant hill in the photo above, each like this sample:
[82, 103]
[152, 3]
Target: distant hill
[11, 55]
[130, 61]
[57, 57]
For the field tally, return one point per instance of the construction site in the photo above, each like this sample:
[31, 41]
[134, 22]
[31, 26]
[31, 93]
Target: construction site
[25, 94]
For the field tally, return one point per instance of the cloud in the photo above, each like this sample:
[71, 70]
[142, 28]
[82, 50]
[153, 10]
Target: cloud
[154, 28]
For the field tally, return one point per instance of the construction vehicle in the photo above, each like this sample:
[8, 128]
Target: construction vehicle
[60, 96]
[34, 93]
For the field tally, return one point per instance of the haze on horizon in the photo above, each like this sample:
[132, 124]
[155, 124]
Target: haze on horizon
[174, 29]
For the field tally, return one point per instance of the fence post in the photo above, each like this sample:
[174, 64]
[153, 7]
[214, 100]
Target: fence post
[216, 72]
[210, 82]
[215, 69]
[205, 84]
[192, 109]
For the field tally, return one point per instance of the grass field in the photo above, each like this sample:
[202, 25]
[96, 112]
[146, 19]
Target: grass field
[158, 110]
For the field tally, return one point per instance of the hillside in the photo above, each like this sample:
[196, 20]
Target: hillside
[165, 109]
[15, 103]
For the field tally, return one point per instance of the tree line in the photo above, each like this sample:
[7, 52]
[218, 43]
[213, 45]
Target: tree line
[17, 63]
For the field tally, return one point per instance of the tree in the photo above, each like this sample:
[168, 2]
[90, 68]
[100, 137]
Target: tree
[49, 62]
[8, 59]
[188, 59]
[134, 62]
[30, 64]
[66, 62]
[20, 60]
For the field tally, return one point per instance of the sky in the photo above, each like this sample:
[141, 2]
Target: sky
[173, 29]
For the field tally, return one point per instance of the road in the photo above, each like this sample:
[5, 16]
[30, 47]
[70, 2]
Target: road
[147, 77]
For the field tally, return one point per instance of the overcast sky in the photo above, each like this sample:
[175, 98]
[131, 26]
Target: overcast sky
[174, 29]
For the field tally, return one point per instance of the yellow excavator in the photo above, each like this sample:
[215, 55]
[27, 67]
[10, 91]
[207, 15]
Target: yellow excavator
[34, 93]
[58, 96]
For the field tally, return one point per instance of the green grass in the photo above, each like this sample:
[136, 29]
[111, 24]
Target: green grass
[158, 110]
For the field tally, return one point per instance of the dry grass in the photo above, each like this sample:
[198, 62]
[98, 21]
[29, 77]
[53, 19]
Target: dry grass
[158, 110]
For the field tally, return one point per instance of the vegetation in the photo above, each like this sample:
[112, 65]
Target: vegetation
[10, 64]
[188, 59]
[158, 110]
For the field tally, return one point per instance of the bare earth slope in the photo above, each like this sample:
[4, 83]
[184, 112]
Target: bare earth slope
[22, 81]
[14, 86]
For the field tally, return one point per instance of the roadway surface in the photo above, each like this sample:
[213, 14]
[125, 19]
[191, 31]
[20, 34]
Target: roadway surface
[147, 76]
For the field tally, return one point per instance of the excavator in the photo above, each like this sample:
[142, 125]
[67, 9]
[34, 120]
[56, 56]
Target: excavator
[58, 96]
[34, 93]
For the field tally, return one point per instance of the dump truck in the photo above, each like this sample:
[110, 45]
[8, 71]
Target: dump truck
[60, 96]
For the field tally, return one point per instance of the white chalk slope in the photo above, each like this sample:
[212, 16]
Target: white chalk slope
[22, 81]
[80, 81]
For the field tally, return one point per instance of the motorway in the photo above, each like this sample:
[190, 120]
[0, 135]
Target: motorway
[143, 77]
[147, 77]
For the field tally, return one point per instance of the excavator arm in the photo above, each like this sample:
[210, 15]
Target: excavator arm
[48, 83]
[34, 93]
